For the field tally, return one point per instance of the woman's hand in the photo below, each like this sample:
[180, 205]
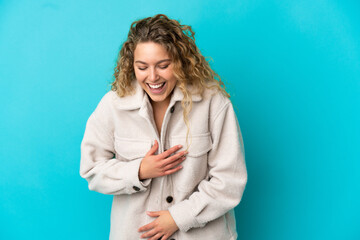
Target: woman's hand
[161, 228]
[162, 164]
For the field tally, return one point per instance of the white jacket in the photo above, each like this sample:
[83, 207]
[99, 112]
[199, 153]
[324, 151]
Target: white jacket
[200, 197]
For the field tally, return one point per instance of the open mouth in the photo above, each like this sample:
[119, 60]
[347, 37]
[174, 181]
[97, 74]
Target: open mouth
[156, 86]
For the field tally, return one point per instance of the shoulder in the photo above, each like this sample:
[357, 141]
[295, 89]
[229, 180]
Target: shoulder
[106, 104]
[103, 115]
[108, 99]
[215, 94]
[216, 100]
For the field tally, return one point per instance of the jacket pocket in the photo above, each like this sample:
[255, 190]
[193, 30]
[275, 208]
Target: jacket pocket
[195, 167]
[128, 149]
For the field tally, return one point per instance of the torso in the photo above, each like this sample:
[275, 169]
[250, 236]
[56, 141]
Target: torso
[133, 140]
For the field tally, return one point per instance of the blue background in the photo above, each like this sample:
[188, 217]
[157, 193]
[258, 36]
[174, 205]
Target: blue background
[291, 67]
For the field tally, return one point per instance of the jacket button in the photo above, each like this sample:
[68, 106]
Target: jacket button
[172, 109]
[169, 199]
[136, 188]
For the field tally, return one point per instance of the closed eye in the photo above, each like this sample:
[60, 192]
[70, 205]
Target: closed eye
[163, 67]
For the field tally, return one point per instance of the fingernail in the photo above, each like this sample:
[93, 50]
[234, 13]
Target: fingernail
[179, 146]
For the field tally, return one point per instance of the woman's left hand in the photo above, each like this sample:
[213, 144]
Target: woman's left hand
[161, 228]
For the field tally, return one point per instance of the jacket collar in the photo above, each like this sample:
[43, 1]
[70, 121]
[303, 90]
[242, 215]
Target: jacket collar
[140, 99]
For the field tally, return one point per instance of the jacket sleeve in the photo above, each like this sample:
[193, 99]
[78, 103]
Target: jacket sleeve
[224, 188]
[98, 165]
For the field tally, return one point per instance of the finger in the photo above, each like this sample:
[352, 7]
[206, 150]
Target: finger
[174, 157]
[165, 237]
[150, 233]
[153, 149]
[147, 227]
[157, 237]
[171, 171]
[174, 163]
[170, 151]
[153, 214]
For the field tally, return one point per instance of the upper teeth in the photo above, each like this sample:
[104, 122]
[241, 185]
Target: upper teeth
[155, 86]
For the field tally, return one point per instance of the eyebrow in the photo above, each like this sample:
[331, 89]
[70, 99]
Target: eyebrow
[164, 60]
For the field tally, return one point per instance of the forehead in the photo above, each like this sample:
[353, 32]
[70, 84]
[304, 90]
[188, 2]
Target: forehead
[150, 52]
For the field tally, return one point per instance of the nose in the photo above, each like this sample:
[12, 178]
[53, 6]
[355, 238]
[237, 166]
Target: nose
[153, 75]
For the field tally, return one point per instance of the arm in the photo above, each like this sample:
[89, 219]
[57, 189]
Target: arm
[227, 176]
[105, 173]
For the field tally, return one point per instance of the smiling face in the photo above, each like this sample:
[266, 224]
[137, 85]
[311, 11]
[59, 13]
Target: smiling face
[154, 72]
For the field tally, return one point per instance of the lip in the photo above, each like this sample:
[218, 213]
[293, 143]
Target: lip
[157, 91]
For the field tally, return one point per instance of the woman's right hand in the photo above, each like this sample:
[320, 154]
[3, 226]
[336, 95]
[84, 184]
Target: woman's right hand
[153, 166]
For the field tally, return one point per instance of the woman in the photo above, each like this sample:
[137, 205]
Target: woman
[165, 141]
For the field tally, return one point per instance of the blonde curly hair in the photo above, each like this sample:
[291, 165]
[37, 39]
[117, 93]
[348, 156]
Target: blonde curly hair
[189, 66]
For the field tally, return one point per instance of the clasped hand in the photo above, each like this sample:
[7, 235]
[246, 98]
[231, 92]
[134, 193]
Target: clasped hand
[161, 228]
[153, 166]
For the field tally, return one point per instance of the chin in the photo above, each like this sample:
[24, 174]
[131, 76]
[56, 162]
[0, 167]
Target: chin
[157, 99]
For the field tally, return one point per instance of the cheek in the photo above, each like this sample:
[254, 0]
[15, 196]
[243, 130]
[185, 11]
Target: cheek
[169, 75]
[139, 75]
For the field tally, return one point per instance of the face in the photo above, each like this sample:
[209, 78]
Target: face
[154, 71]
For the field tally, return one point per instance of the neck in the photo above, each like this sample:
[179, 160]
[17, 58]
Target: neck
[160, 105]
